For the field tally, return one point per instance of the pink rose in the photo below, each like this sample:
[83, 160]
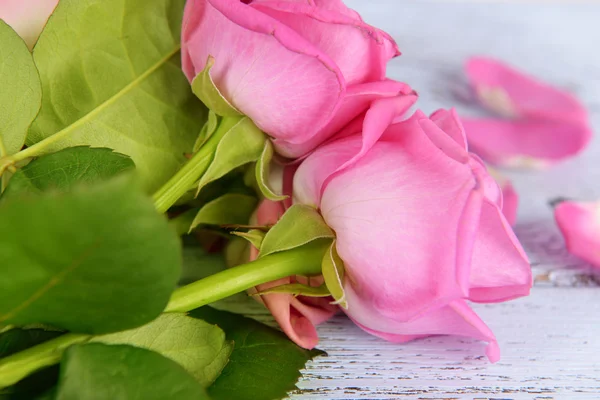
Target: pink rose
[579, 223]
[27, 17]
[301, 70]
[419, 226]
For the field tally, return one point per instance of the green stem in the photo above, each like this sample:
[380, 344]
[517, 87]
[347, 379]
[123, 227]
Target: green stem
[192, 171]
[304, 260]
[183, 180]
[19, 365]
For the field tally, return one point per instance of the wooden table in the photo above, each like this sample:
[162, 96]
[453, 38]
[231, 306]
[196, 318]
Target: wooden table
[550, 341]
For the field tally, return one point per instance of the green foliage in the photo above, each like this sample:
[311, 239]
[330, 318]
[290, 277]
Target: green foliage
[229, 209]
[298, 289]
[254, 236]
[98, 371]
[97, 259]
[333, 273]
[65, 169]
[15, 340]
[21, 94]
[264, 365]
[241, 143]
[204, 87]
[111, 77]
[197, 346]
[262, 171]
[299, 225]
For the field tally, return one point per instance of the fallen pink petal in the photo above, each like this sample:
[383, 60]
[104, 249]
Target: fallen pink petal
[538, 125]
[579, 223]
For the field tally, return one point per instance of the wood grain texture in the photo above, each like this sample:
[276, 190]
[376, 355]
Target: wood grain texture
[550, 345]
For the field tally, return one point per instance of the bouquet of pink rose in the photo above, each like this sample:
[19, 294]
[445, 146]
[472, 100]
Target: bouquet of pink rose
[286, 165]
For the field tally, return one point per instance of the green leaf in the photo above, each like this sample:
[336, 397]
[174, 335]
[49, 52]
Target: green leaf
[242, 143]
[254, 236]
[237, 252]
[299, 225]
[17, 339]
[97, 259]
[262, 173]
[198, 263]
[98, 371]
[197, 346]
[333, 273]
[66, 168]
[264, 365]
[182, 222]
[297, 289]
[208, 129]
[31, 387]
[21, 94]
[204, 87]
[111, 77]
[230, 209]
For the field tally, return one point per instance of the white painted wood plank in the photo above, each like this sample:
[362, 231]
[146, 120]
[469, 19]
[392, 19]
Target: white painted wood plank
[556, 42]
[550, 345]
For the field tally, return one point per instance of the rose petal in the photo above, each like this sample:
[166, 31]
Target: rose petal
[410, 201]
[297, 316]
[332, 5]
[449, 122]
[357, 100]
[334, 33]
[579, 223]
[261, 64]
[525, 144]
[511, 93]
[486, 180]
[500, 269]
[27, 17]
[313, 172]
[377, 119]
[455, 319]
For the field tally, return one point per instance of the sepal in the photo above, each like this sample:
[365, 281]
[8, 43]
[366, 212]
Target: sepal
[333, 273]
[204, 88]
[298, 226]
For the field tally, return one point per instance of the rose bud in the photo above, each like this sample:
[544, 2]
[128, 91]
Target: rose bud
[296, 315]
[299, 70]
[418, 226]
[579, 223]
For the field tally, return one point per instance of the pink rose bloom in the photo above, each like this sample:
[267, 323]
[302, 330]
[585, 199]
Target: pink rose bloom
[301, 70]
[419, 226]
[27, 17]
[540, 126]
[579, 223]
